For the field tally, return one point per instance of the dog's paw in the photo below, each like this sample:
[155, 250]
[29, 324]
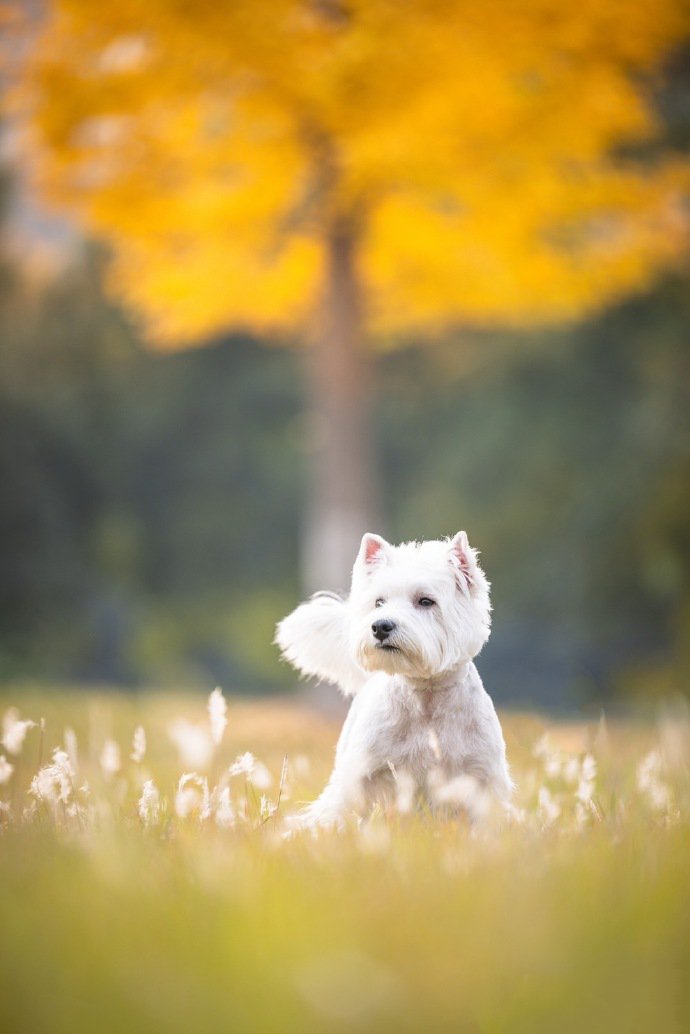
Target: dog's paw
[313, 819]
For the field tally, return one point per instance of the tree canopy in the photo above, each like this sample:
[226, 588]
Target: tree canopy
[492, 163]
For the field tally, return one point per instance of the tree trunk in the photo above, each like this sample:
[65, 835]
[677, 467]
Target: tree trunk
[342, 500]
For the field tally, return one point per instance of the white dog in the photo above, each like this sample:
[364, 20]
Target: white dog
[421, 725]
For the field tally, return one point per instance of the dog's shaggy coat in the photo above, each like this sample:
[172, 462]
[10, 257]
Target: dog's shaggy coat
[421, 725]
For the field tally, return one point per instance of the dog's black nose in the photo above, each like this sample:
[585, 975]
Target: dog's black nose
[382, 628]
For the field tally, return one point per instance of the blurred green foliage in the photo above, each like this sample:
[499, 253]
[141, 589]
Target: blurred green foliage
[151, 502]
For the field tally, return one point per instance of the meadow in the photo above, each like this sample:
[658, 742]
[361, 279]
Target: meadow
[146, 883]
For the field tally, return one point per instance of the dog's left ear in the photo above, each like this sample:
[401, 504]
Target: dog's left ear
[462, 559]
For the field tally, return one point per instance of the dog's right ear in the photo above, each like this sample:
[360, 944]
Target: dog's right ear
[373, 551]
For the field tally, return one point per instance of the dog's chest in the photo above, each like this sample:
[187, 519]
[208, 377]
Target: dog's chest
[424, 733]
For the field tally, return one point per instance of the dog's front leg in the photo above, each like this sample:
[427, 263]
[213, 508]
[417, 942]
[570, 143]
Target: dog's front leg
[345, 792]
[342, 797]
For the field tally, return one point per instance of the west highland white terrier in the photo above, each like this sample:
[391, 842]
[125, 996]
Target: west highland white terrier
[421, 727]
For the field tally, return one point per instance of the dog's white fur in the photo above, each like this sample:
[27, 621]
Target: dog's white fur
[420, 717]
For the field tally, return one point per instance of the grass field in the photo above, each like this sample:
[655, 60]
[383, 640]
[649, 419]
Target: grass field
[129, 903]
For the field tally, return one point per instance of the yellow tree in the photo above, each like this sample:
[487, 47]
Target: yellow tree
[341, 172]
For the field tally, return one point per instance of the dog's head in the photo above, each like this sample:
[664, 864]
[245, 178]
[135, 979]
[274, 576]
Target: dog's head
[418, 609]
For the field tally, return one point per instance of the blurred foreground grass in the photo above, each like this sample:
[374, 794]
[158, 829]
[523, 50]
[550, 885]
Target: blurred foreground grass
[574, 916]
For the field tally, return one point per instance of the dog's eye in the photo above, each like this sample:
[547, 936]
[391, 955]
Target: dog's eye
[425, 601]
[380, 602]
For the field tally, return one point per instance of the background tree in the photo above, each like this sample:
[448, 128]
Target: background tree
[342, 174]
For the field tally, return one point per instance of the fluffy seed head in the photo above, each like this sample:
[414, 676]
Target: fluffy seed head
[217, 714]
[71, 747]
[14, 730]
[149, 806]
[193, 742]
[192, 797]
[138, 745]
[6, 769]
[53, 783]
[110, 759]
[254, 771]
[223, 810]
